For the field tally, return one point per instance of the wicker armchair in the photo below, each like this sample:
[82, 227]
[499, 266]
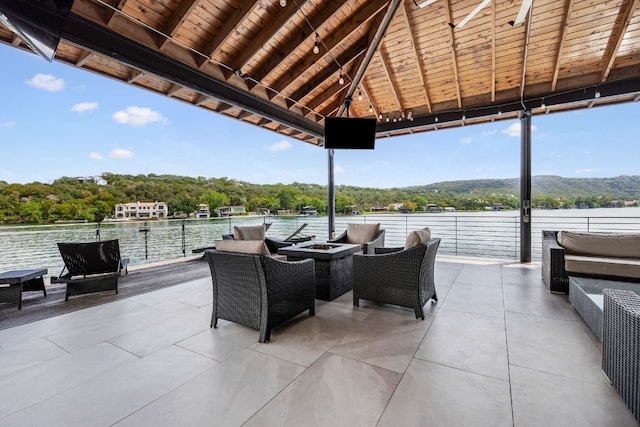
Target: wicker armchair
[368, 247]
[91, 267]
[258, 291]
[621, 344]
[397, 276]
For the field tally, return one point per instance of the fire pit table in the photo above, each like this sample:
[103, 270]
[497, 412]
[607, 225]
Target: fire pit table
[334, 265]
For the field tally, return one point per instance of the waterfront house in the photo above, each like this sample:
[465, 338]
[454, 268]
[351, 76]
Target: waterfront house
[202, 212]
[230, 210]
[141, 210]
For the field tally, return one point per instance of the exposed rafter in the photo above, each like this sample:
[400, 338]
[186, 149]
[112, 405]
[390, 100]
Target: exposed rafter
[525, 55]
[454, 59]
[493, 52]
[384, 58]
[112, 14]
[561, 46]
[616, 39]
[176, 19]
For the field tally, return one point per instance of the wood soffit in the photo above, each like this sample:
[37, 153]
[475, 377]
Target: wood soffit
[253, 60]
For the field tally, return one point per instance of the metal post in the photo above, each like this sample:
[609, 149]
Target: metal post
[97, 232]
[145, 230]
[184, 243]
[331, 206]
[525, 186]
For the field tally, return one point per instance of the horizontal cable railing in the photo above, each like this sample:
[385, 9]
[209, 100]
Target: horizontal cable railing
[493, 235]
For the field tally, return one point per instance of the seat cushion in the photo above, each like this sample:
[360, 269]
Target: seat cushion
[599, 266]
[362, 233]
[249, 233]
[417, 237]
[618, 245]
[256, 247]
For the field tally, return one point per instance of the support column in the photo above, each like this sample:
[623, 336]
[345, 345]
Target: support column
[331, 205]
[525, 186]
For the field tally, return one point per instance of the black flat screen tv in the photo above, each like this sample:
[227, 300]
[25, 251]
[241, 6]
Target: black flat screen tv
[349, 133]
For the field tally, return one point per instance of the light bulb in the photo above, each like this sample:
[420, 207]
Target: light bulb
[387, 118]
[359, 95]
[380, 116]
[436, 119]
[316, 48]
[370, 108]
[283, 3]
[543, 106]
[341, 79]
[499, 113]
[395, 120]
[597, 95]
[463, 117]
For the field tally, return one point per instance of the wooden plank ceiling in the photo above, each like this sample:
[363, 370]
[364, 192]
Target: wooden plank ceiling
[447, 63]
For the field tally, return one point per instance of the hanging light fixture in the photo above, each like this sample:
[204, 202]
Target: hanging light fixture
[387, 118]
[341, 78]
[283, 3]
[359, 95]
[543, 106]
[597, 94]
[370, 108]
[316, 48]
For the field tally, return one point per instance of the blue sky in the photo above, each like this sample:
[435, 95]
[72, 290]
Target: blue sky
[56, 120]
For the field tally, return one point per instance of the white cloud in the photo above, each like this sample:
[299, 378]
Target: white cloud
[587, 170]
[46, 82]
[95, 156]
[466, 140]
[339, 169]
[489, 132]
[121, 153]
[7, 124]
[514, 129]
[84, 106]
[279, 146]
[139, 116]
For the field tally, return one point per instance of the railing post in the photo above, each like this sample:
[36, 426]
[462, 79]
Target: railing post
[184, 242]
[456, 231]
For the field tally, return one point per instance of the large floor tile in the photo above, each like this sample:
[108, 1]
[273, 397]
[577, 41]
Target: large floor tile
[108, 398]
[469, 342]
[434, 395]
[226, 395]
[538, 301]
[21, 356]
[305, 339]
[480, 275]
[541, 399]
[220, 343]
[519, 274]
[57, 375]
[386, 338]
[475, 299]
[166, 333]
[555, 346]
[335, 391]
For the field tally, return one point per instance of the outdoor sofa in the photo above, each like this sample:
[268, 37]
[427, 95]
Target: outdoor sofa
[614, 256]
[368, 236]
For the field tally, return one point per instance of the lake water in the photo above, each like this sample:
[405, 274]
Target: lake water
[484, 234]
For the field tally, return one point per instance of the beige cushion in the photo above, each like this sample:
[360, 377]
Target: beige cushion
[591, 265]
[620, 245]
[417, 237]
[257, 247]
[249, 233]
[362, 233]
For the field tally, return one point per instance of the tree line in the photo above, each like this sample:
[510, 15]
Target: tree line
[68, 199]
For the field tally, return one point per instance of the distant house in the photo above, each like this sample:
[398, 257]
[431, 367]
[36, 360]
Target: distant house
[309, 210]
[263, 211]
[203, 211]
[141, 210]
[95, 179]
[230, 210]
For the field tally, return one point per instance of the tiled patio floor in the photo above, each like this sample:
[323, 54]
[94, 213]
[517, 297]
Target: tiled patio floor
[496, 350]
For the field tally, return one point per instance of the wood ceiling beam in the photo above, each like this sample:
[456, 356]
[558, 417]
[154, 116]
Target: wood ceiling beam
[404, 15]
[280, 19]
[173, 89]
[299, 37]
[330, 70]
[561, 47]
[454, 59]
[244, 114]
[384, 57]
[15, 40]
[227, 30]
[171, 27]
[493, 52]
[362, 16]
[616, 39]
[83, 58]
[112, 13]
[526, 52]
[134, 75]
[201, 99]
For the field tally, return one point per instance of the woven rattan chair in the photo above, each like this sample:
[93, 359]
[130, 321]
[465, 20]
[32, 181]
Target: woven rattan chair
[258, 291]
[90, 267]
[367, 247]
[621, 345]
[397, 276]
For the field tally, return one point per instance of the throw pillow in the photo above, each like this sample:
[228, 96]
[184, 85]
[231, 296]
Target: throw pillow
[249, 233]
[256, 247]
[417, 237]
[361, 233]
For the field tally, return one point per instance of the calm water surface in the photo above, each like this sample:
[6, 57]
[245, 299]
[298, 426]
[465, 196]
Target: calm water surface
[485, 234]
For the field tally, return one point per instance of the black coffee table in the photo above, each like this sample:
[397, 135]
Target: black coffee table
[14, 283]
[333, 265]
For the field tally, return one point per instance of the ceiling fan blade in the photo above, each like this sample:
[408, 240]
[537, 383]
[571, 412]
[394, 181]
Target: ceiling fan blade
[524, 9]
[473, 13]
[425, 3]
